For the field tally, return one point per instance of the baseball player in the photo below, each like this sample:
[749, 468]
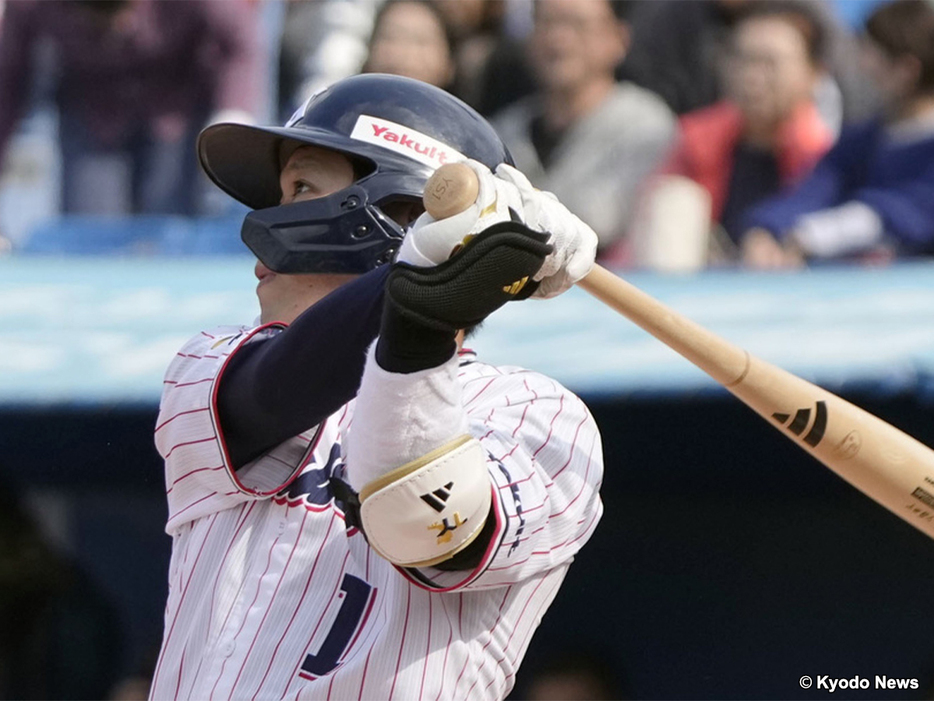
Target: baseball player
[359, 508]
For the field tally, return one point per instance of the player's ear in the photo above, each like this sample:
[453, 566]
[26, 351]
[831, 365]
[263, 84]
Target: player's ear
[623, 36]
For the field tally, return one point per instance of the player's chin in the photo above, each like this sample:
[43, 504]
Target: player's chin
[268, 301]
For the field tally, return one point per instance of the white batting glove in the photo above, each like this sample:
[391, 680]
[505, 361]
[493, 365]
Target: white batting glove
[575, 243]
[430, 241]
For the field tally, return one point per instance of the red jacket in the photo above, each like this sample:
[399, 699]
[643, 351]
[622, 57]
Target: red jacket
[709, 137]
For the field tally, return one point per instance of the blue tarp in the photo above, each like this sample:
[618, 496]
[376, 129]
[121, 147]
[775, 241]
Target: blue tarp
[102, 330]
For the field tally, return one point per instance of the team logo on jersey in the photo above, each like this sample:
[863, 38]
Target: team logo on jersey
[446, 529]
[438, 498]
[315, 487]
[226, 339]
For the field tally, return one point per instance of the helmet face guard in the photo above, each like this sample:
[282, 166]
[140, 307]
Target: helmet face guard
[340, 233]
[401, 128]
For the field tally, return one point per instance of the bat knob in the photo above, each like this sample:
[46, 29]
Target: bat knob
[450, 190]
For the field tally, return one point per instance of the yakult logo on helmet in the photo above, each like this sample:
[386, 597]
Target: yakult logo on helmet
[405, 141]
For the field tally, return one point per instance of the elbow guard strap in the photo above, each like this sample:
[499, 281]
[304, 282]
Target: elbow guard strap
[428, 510]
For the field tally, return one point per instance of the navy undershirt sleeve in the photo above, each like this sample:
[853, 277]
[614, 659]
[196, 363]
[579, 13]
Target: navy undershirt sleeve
[274, 389]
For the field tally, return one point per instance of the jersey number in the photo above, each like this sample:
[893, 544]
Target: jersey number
[355, 608]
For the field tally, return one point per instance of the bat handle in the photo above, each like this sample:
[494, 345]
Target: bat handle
[450, 190]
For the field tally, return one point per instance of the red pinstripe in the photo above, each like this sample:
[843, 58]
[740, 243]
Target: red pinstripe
[189, 474]
[573, 445]
[188, 384]
[519, 562]
[551, 427]
[178, 678]
[181, 445]
[447, 646]
[196, 502]
[521, 420]
[269, 607]
[243, 620]
[297, 607]
[496, 623]
[421, 690]
[405, 627]
[533, 475]
[366, 665]
[337, 584]
[530, 509]
[506, 646]
[181, 413]
[584, 482]
[567, 541]
[514, 448]
[546, 600]
[181, 600]
[207, 632]
[474, 398]
[366, 617]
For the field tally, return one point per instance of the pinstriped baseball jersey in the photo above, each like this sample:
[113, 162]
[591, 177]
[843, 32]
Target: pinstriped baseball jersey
[272, 596]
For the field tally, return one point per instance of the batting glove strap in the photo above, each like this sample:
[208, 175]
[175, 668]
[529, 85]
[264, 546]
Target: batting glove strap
[495, 267]
[425, 512]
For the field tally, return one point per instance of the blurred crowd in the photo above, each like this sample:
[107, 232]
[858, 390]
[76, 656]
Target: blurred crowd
[687, 133]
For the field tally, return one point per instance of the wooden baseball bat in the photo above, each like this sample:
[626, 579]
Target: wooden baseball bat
[883, 462]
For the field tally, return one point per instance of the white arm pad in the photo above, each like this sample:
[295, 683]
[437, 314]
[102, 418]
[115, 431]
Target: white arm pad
[425, 512]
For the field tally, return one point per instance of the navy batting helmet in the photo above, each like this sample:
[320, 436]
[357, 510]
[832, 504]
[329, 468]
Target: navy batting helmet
[397, 131]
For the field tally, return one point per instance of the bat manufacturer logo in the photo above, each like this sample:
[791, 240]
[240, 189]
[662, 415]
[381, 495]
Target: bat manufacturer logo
[923, 496]
[800, 422]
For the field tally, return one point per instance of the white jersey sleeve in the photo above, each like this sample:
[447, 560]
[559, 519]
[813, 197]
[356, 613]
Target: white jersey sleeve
[199, 477]
[545, 461]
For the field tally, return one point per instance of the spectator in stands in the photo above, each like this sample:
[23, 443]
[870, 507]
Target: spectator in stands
[578, 675]
[766, 135]
[59, 635]
[322, 42]
[679, 45]
[412, 38]
[135, 82]
[583, 136]
[872, 195]
[492, 68]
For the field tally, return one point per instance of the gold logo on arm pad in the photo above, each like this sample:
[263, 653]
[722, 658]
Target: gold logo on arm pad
[445, 529]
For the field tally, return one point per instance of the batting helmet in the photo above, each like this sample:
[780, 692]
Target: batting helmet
[396, 130]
